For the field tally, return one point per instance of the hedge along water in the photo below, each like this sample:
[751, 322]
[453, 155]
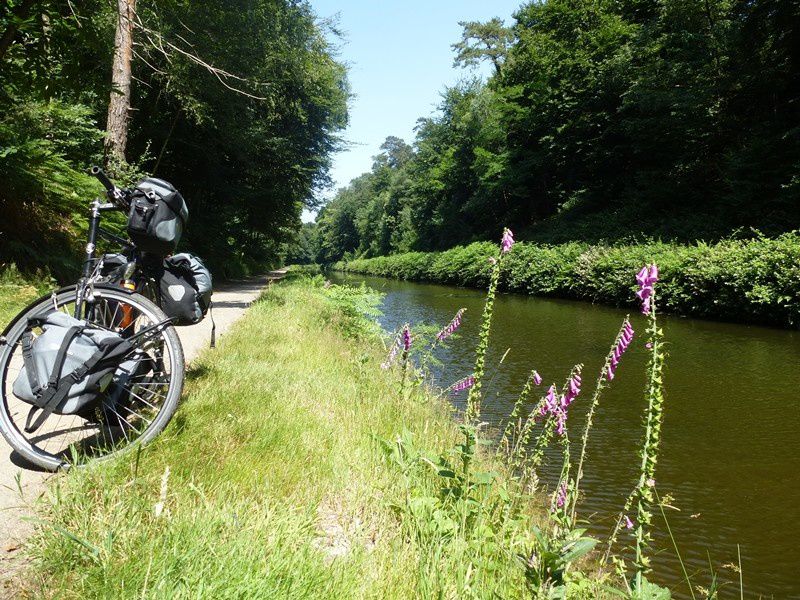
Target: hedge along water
[730, 450]
[746, 281]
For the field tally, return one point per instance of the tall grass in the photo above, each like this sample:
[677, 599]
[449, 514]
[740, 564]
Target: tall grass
[297, 467]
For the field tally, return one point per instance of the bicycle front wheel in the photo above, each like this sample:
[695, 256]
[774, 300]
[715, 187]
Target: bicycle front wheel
[135, 407]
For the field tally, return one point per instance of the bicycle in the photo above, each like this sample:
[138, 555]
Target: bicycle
[137, 404]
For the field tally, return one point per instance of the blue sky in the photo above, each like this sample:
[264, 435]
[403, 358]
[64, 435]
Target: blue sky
[399, 59]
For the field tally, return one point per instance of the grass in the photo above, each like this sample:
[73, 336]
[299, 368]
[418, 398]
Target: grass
[271, 481]
[16, 291]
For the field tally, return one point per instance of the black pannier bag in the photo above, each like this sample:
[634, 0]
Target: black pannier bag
[157, 217]
[112, 267]
[67, 367]
[185, 289]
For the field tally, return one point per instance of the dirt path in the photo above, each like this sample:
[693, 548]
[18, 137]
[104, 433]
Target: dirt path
[230, 301]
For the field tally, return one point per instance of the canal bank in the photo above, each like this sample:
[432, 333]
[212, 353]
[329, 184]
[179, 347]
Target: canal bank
[731, 449]
[752, 280]
[277, 478]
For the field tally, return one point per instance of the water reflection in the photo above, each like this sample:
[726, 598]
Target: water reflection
[731, 444]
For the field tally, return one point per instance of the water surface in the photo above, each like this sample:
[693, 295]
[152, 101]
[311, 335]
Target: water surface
[731, 439]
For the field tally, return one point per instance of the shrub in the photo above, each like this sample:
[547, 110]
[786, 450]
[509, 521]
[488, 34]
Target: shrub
[754, 280]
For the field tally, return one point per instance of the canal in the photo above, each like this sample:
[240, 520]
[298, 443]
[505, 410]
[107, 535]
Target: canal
[730, 455]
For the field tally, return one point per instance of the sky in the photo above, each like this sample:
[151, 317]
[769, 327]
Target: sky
[400, 60]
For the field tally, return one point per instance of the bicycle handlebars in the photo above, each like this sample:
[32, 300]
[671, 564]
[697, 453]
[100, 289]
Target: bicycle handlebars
[116, 195]
[103, 178]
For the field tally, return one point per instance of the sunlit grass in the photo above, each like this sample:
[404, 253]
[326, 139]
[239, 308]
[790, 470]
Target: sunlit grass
[268, 483]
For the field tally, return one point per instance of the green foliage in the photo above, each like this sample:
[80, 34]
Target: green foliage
[755, 280]
[603, 121]
[237, 104]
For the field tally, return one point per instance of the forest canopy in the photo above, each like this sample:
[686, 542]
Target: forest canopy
[602, 120]
[237, 103]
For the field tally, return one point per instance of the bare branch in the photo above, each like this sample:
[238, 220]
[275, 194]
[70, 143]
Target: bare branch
[167, 48]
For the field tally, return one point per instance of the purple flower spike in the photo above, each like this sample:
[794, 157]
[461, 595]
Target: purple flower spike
[462, 384]
[537, 379]
[392, 353]
[561, 420]
[406, 338]
[653, 275]
[641, 276]
[451, 326]
[646, 278]
[507, 242]
[561, 497]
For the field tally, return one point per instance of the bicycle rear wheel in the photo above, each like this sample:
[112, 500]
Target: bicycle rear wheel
[135, 407]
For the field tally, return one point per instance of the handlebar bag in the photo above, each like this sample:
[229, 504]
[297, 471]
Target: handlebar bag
[157, 216]
[66, 367]
[186, 288]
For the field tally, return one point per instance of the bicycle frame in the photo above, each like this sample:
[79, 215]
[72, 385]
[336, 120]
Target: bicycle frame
[97, 208]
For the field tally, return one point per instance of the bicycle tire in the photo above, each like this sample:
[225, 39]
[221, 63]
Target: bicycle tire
[52, 461]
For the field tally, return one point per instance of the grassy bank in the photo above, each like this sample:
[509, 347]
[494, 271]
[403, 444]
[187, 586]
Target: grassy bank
[295, 468]
[755, 280]
[16, 291]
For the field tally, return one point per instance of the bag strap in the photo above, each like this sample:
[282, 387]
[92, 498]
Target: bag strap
[58, 387]
[213, 343]
[30, 366]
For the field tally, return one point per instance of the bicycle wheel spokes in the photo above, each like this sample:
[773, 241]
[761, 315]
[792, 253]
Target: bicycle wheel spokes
[128, 408]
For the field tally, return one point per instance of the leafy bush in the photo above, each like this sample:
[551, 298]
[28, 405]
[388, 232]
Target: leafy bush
[754, 280]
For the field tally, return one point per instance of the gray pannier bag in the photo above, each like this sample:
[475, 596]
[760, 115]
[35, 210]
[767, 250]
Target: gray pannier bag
[68, 366]
[157, 216]
[186, 288]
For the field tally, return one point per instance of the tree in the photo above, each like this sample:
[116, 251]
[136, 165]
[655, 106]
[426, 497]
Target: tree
[120, 101]
[481, 41]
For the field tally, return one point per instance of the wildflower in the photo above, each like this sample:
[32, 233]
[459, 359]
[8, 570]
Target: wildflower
[550, 401]
[561, 420]
[573, 389]
[392, 353]
[451, 326]
[492, 260]
[646, 278]
[462, 384]
[507, 242]
[649, 345]
[628, 522]
[561, 496]
[537, 379]
[406, 338]
[625, 340]
[650, 482]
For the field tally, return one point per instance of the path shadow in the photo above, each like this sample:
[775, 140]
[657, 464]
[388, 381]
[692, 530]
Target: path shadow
[16, 459]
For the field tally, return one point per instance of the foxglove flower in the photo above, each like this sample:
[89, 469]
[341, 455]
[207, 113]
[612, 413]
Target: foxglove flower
[462, 384]
[451, 326]
[406, 338]
[628, 522]
[561, 496]
[561, 420]
[507, 242]
[646, 278]
[392, 353]
[573, 389]
[537, 379]
[550, 402]
[622, 345]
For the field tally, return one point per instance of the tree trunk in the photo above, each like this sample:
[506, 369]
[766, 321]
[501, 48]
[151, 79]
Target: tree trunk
[120, 102]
